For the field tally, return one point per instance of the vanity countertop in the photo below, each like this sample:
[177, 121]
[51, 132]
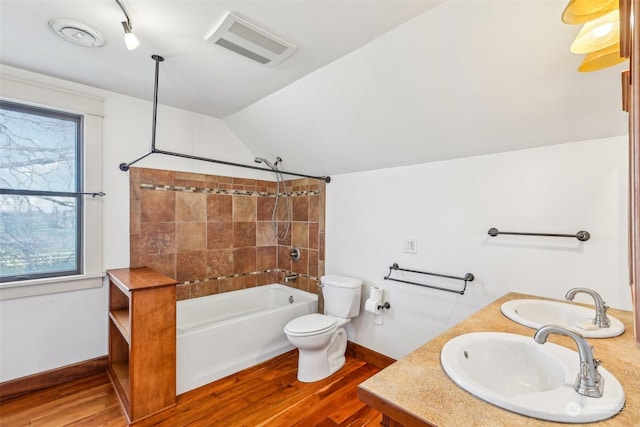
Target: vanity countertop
[415, 390]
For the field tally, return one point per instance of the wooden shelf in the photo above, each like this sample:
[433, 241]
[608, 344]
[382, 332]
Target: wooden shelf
[142, 340]
[120, 319]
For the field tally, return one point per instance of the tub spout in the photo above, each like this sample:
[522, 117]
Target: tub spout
[290, 278]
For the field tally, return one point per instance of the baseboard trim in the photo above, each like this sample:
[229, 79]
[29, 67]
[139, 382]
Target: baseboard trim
[372, 357]
[19, 386]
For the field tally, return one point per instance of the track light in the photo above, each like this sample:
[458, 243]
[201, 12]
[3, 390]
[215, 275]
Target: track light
[130, 39]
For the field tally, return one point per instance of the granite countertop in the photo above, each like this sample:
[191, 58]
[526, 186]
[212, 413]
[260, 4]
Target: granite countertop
[415, 390]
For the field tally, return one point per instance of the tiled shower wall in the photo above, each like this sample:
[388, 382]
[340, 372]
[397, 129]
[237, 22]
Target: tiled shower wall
[214, 233]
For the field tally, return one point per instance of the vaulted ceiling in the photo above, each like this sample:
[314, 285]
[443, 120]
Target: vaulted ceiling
[373, 84]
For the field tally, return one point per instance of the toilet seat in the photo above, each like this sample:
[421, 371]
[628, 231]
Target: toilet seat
[310, 324]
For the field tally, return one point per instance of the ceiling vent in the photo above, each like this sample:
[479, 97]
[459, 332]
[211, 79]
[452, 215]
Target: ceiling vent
[247, 39]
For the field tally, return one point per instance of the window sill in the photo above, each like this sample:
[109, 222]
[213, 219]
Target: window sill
[29, 288]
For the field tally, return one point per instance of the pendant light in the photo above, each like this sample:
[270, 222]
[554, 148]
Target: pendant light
[581, 11]
[601, 59]
[598, 34]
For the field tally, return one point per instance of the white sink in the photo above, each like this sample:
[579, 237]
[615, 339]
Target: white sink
[516, 373]
[535, 313]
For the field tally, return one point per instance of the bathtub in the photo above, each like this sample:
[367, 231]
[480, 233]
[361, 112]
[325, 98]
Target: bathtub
[218, 335]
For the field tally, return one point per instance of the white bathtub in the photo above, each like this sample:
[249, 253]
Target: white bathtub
[225, 333]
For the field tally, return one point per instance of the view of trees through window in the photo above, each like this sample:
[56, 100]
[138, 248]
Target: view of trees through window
[39, 174]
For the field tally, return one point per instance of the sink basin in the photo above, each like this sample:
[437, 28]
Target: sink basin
[515, 373]
[535, 313]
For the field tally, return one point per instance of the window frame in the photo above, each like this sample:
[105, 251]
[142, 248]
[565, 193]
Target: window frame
[24, 87]
[78, 119]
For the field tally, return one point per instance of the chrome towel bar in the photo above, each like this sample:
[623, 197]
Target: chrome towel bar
[581, 235]
[467, 278]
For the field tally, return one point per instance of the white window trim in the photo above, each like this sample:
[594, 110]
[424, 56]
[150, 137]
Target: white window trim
[33, 93]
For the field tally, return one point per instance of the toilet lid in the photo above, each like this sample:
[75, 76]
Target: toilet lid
[310, 324]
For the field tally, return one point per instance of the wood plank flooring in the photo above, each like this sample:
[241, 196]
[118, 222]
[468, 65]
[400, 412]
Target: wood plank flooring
[265, 395]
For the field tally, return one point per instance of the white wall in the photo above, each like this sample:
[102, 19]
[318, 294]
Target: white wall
[449, 206]
[44, 332]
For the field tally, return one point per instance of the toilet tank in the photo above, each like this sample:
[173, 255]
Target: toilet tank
[341, 295]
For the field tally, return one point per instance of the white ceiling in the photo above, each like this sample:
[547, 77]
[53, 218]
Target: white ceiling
[374, 84]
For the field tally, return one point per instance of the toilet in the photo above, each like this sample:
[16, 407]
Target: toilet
[321, 338]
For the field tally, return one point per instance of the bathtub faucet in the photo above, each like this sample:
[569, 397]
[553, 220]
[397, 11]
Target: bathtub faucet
[601, 320]
[589, 382]
[290, 278]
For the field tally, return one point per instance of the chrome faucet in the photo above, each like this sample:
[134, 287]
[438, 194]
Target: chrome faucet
[589, 382]
[601, 320]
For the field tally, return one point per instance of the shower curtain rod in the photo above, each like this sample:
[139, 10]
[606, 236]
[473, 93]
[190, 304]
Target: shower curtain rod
[125, 166]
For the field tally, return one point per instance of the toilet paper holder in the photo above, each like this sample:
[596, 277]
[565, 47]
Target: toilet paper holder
[385, 305]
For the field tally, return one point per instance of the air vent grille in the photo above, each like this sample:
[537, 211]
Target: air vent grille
[247, 39]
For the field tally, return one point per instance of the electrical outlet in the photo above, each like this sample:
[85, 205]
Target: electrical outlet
[410, 246]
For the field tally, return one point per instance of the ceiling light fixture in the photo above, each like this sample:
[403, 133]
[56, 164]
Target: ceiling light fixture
[599, 37]
[130, 39]
[76, 32]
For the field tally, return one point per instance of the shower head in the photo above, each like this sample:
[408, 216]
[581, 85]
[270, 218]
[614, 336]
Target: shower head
[273, 166]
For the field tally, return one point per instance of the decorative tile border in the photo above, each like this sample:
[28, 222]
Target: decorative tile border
[208, 190]
[252, 273]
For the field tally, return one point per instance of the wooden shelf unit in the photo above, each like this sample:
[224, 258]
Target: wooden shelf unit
[142, 340]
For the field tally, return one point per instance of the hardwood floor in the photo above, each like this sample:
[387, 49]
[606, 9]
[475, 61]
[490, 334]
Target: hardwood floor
[266, 395]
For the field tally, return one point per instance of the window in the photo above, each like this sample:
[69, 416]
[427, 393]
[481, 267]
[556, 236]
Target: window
[54, 105]
[40, 177]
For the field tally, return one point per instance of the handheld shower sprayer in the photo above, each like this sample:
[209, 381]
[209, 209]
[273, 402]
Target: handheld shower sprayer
[279, 180]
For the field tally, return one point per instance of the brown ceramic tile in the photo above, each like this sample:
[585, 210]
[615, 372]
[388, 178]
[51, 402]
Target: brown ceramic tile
[204, 289]
[188, 176]
[250, 281]
[134, 216]
[191, 207]
[321, 271]
[284, 258]
[244, 234]
[266, 258]
[225, 285]
[157, 206]
[219, 207]
[300, 208]
[321, 208]
[157, 238]
[191, 266]
[284, 206]
[272, 277]
[191, 236]
[264, 234]
[134, 183]
[321, 247]
[314, 236]
[262, 279]
[219, 235]
[244, 182]
[282, 229]
[264, 208]
[183, 292]
[220, 179]
[219, 262]
[162, 263]
[313, 263]
[301, 266]
[156, 176]
[314, 208]
[303, 283]
[244, 260]
[300, 234]
[244, 208]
